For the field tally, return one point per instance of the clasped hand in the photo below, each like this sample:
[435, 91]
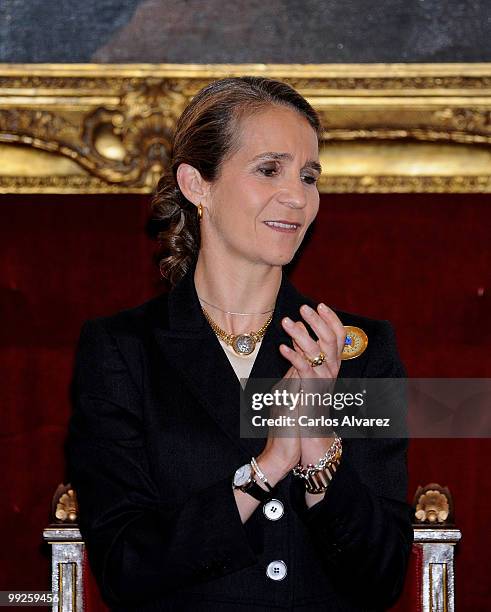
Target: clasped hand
[331, 336]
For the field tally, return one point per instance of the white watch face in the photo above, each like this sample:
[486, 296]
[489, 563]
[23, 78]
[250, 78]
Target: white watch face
[242, 475]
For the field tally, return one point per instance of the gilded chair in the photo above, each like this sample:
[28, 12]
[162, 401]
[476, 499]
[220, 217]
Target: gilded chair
[429, 585]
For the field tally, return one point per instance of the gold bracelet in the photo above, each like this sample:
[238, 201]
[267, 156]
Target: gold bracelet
[318, 477]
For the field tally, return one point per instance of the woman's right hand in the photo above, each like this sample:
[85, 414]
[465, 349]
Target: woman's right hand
[283, 448]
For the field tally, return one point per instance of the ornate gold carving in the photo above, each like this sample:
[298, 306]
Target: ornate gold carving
[387, 127]
[433, 505]
[405, 184]
[65, 505]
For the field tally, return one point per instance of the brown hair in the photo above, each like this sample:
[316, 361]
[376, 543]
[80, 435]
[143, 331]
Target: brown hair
[207, 133]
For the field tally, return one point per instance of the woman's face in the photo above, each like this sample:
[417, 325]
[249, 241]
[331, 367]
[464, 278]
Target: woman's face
[270, 181]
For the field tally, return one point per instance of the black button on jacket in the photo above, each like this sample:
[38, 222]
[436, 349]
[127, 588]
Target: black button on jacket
[152, 448]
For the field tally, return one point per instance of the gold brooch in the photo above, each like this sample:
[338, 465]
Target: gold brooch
[355, 343]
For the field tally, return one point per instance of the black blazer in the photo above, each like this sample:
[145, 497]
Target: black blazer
[152, 447]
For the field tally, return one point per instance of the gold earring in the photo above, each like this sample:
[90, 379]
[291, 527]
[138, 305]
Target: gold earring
[200, 211]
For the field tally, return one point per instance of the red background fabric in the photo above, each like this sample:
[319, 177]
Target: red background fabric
[421, 261]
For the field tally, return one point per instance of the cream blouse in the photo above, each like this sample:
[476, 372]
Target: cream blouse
[242, 364]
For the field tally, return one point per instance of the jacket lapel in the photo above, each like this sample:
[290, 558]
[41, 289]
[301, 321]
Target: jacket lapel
[191, 346]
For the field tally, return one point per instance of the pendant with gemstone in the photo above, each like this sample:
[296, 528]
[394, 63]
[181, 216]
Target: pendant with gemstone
[243, 344]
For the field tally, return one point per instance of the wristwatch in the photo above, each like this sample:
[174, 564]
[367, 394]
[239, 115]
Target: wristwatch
[244, 480]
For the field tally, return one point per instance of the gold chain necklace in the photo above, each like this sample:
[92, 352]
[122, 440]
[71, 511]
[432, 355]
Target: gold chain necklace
[243, 344]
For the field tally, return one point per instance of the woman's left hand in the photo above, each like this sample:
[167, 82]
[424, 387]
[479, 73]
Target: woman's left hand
[331, 336]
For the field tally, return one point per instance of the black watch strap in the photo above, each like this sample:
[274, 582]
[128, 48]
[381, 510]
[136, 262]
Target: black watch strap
[257, 492]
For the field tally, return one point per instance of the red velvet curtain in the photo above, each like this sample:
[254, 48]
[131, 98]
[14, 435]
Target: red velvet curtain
[421, 261]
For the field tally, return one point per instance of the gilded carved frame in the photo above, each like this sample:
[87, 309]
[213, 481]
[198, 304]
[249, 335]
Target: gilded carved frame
[98, 128]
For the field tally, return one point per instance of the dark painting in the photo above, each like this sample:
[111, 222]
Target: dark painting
[219, 31]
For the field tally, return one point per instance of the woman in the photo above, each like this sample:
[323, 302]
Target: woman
[179, 512]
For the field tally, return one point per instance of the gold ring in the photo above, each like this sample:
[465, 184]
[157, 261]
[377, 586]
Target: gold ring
[317, 361]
